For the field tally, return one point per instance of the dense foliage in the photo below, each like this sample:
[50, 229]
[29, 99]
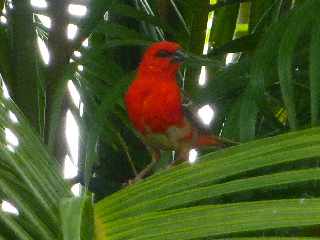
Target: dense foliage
[267, 99]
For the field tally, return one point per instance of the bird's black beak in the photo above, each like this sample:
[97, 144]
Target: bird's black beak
[179, 56]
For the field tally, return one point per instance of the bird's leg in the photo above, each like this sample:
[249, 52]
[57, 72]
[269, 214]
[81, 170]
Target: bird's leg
[155, 157]
[195, 137]
[182, 154]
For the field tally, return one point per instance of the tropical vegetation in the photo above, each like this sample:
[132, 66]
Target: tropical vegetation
[267, 98]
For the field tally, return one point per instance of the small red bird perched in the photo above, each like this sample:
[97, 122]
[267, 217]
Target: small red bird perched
[154, 104]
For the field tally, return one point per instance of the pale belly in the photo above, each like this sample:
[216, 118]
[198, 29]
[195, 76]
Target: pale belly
[160, 141]
[172, 139]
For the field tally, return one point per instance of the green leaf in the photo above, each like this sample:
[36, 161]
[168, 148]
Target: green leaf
[272, 238]
[128, 11]
[225, 23]
[287, 48]
[151, 200]
[201, 201]
[29, 179]
[199, 12]
[264, 68]
[16, 227]
[242, 44]
[25, 79]
[57, 100]
[127, 42]
[248, 113]
[218, 220]
[217, 191]
[286, 51]
[226, 163]
[11, 188]
[180, 16]
[113, 30]
[77, 218]
[97, 10]
[260, 13]
[221, 4]
[315, 75]
[5, 60]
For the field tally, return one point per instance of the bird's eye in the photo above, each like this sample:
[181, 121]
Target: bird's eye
[163, 54]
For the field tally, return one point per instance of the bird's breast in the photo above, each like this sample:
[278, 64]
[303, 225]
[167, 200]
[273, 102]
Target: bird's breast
[154, 105]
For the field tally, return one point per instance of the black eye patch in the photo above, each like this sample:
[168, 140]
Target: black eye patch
[164, 54]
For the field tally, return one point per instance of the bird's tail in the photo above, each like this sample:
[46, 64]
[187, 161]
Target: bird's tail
[211, 140]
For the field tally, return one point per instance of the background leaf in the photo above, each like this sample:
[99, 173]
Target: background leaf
[77, 218]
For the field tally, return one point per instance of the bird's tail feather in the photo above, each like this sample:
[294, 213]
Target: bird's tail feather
[211, 140]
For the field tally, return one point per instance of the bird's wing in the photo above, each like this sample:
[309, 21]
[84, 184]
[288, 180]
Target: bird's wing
[190, 110]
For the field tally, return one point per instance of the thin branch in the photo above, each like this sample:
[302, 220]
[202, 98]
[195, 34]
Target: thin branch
[126, 149]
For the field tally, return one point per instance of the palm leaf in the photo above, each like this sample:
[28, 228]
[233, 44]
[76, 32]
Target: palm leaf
[29, 179]
[147, 207]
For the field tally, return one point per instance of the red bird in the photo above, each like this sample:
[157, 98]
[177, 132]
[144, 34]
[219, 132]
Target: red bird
[154, 104]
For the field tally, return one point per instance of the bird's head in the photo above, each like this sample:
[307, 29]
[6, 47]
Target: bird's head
[162, 57]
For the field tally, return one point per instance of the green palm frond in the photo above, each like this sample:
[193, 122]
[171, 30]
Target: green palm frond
[29, 179]
[192, 201]
[262, 189]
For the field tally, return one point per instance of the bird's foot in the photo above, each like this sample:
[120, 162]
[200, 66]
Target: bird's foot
[141, 174]
[131, 181]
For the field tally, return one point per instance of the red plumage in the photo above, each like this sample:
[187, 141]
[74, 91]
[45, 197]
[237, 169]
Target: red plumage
[153, 100]
[154, 103]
